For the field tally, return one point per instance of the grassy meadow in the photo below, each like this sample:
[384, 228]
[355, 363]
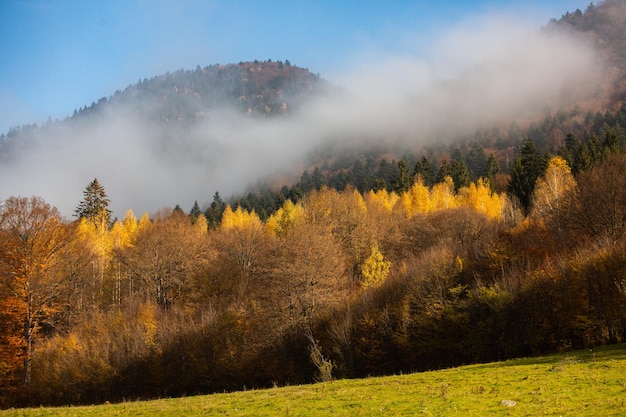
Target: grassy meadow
[579, 383]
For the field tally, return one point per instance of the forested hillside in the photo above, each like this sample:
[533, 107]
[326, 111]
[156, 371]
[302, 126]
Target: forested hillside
[509, 242]
[179, 99]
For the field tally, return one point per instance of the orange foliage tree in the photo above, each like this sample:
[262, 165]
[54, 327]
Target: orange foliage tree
[33, 237]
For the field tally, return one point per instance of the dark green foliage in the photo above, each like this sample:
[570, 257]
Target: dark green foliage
[359, 177]
[95, 203]
[477, 161]
[528, 166]
[318, 179]
[610, 144]
[460, 174]
[306, 184]
[519, 185]
[214, 212]
[426, 170]
[387, 172]
[195, 211]
[445, 170]
[493, 169]
[403, 181]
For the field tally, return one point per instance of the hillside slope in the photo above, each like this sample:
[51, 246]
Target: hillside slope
[581, 383]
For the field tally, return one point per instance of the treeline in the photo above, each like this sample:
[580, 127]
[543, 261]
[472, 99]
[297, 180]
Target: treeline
[338, 284]
[580, 138]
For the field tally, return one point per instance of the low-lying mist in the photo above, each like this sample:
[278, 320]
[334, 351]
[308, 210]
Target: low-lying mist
[476, 74]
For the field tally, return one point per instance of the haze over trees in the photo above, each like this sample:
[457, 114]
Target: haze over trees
[375, 259]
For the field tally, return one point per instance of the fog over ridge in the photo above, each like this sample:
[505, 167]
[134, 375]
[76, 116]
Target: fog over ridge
[477, 73]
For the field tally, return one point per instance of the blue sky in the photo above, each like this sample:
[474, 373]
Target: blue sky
[57, 56]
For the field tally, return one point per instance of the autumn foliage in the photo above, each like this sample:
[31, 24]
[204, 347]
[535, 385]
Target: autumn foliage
[337, 284]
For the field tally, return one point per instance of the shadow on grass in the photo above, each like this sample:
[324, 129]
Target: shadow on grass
[600, 353]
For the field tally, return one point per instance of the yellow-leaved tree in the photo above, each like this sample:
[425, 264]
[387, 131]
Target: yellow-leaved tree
[417, 199]
[201, 225]
[479, 197]
[285, 218]
[240, 244]
[442, 195]
[375, 269]
[381, 199]
[550, 195]
[97, 241]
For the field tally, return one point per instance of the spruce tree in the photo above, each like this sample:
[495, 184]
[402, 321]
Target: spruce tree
[425, 169]
[403, 181]
[214, 212]
[195, 212]
[318, 179]
[477, 161]
[95, 204]
[460, 175]
[493, 169]
[528, 166]
[518, 185]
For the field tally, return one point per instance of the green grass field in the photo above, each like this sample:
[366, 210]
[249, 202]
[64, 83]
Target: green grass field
[580, 383]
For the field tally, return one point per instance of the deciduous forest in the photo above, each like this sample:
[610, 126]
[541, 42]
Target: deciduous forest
[505, 245]
[338, 284]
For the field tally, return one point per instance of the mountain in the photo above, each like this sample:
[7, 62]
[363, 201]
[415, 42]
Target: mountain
[605, 25]
[183, 97]
[256, 88]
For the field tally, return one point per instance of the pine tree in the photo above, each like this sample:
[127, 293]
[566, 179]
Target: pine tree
[527, 168]
[318, 179]
[444, 171]
[95, 204]
[610, 143]
[425, 169]
[403, 181]
[195, 212]
[214, 212]
[306, 184]
[477, 161]
[493, 169]
[519, 186]
[583, 160]
[460, 174]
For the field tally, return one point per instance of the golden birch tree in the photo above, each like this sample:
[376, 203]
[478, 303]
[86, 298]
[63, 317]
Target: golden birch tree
[551, 194]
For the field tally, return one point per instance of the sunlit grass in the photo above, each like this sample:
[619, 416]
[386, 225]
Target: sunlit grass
[581, 383]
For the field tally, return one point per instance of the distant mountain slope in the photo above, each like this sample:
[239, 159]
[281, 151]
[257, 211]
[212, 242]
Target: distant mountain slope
[259, 89]
[256, 88]
[605, 24]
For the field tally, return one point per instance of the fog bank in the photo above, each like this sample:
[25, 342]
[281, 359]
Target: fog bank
[475, 74]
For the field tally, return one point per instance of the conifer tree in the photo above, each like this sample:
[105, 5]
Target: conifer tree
[425, 169]
[95, 204]
[318, 179]
[477, 161]
[402, 183]
[195, 212]
[460, 174]
[493, 169]
[214, 212]
[528, 166]
[444, 171]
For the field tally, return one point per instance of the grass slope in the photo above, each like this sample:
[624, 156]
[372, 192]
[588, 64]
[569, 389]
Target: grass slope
[580, 383]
